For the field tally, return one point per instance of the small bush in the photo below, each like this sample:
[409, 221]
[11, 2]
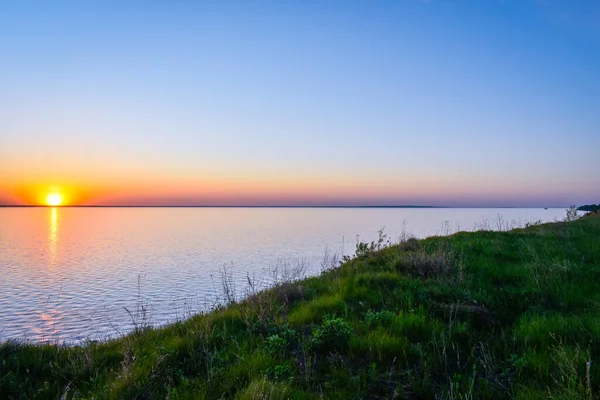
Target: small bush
[533, 223]
[364, 250]
[282, 340]
[572, 214]
[378, 318]
[288, 292]
[276, 344]
[426, 265]
[282, 372]
[410, 244]
[332, 334]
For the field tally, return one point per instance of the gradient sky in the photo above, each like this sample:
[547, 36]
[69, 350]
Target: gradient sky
[455, 102]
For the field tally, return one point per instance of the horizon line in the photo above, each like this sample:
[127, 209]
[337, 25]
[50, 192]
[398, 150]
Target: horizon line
[253, 206]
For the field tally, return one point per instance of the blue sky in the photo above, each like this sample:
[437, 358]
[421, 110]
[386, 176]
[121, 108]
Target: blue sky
[471, 103]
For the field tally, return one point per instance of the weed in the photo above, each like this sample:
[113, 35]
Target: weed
[572, 214]
[140, 317]
[287, 270]
[529, 224]
[228, 286]
[330, 261]
[364, 249]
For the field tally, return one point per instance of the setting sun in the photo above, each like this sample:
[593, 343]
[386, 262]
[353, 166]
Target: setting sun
[54, 199]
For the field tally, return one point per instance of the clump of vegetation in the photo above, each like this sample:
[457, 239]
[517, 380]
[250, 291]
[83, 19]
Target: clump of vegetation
[332, 334]
[572, 214]
[440, 263]
[589, 207]
[364, 249]
[373, 318]
[533, 223]
[482, 315]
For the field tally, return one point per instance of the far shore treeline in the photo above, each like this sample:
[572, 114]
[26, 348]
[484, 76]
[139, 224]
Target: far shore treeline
[589, 207]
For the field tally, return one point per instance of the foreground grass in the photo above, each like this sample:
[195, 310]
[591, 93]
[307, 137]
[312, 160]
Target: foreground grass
[485, 315]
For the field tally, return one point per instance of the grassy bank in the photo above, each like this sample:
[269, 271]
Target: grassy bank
[484, 315]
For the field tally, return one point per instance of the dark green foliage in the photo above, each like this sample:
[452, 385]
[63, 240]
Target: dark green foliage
[332, 334]
[484, 315]
[276, 344]
[280, 373]
[377, 318]
[589, 207]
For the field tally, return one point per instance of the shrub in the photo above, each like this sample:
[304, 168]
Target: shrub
[288, 292]
[379, 317]
[364, 249]
[572, 214]
[280, 373]
[276, 344]
[280, 341]
[333, 334]
[410, 244]
[533, 223]
[426, 265]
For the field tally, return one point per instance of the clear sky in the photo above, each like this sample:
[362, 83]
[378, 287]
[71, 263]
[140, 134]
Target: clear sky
[438, 102]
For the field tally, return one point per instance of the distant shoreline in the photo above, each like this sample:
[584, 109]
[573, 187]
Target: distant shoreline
[262, 206]
[216, 206]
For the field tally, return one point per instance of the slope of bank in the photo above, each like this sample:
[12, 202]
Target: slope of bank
[486, 315]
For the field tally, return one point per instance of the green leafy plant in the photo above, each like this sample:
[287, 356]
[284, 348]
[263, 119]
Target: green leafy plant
[333, 334]
[364, 249]
[275, 344]
[282, 372]
[378, 317]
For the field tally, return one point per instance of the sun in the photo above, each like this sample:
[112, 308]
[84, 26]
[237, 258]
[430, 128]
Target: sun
[54, 199]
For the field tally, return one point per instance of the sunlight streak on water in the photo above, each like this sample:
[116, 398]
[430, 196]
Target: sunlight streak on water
[53, 235]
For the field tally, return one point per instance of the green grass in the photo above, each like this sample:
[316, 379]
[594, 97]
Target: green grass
[484, 315]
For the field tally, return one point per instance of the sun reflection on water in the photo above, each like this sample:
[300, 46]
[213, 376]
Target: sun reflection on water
[53, 235]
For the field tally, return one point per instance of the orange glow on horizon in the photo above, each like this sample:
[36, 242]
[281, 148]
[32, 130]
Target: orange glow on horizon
[225, 190]
[48, 194]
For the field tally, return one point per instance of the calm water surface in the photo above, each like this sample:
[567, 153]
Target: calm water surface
[69, 274]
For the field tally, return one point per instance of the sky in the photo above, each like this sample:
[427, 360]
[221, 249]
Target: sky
[412, 102]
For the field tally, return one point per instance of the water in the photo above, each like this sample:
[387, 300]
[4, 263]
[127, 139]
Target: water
[71, 274]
